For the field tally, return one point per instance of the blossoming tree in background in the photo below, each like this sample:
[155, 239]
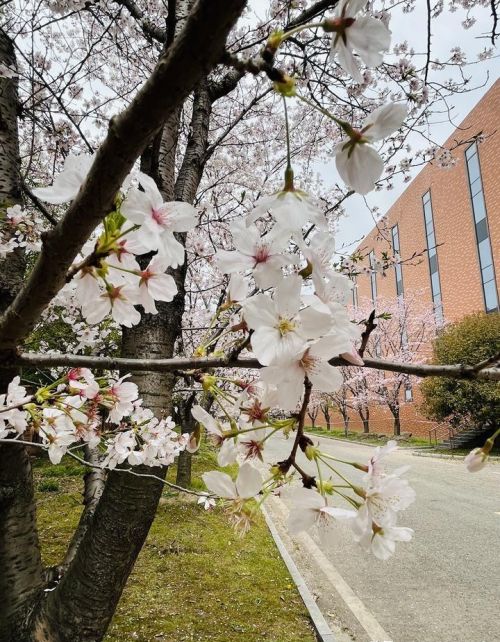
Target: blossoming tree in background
[167, 208]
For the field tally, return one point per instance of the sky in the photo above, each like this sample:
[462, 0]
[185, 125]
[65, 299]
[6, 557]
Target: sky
[447, 33]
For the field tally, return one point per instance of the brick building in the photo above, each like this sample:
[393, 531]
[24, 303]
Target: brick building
[454, 214]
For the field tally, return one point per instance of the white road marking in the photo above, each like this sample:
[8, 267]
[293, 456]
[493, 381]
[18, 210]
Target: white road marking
[365, 617]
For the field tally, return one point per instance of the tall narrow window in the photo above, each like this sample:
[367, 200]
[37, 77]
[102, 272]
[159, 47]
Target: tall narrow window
[354, 293]
[373, 275]
[397, 267]
[432, 256]
[490, 293]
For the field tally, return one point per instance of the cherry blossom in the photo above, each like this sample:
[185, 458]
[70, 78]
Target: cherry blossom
[248, 483]
[118, 301]
[291, 209]
[364, 34]
[287, 373]
[67, 183]
[476, 460]
[379, 540]
[358, 163]
[15, 418]
[158, 219]
[155, 285]
[227, 449]
[123, 394]
[261, 254]
[309, 509]
[280, 328]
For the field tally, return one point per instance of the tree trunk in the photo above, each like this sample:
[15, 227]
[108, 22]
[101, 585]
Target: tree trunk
[397, 420]
[346, 424]
[365, 418]
[81, 609]
[21, 575]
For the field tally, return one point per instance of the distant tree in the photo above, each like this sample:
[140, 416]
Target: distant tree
[474, 338]
[405, 328]
[325, 407]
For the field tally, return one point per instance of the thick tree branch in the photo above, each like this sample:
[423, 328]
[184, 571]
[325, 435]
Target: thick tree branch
[192, 54]
[453, 371]
[149, 29]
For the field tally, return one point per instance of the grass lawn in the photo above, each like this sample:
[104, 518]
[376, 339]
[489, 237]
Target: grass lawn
[369, 439]
[195, 579]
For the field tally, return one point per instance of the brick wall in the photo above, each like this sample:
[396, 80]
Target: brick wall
[457, 254]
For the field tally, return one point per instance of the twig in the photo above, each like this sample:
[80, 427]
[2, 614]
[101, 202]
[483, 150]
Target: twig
[453, 371]
[369, 328]
[117, 470]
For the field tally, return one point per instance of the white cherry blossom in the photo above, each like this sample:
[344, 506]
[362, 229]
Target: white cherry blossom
[248, 483]
[67, 183]
[118, 301]
[158, 219]
[155, 285]
[366, 35]
[16, 418]
[123, 394]
[261, 254]
[476, 460]
[309, 508]
[280, 328]
[227, 448]
[288, 373]
[379, 540]
[291, 209]
[358, 163]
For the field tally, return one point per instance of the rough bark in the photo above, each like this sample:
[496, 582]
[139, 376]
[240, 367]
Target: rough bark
[397, 419]
[325, 409]
[94, 481]
[365, 418]
[197, 48]
[82, 606]
[20, 563]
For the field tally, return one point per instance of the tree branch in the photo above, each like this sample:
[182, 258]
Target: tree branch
[191, 55]
[453, 371]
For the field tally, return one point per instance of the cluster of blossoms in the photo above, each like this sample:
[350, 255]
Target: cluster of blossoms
[102, 412]
[19, 230]
[107, 277]
[295, 322]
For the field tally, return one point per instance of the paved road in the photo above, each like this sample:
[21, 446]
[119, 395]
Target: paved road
[444, 586]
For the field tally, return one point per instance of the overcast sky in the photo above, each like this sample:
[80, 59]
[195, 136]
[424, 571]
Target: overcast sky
[447, 33]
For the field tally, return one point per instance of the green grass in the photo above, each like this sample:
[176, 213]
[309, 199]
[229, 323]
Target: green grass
[195, 579]
[370, 439]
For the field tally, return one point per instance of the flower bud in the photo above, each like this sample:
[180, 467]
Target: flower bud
[285, 86]
[325, 487]
[208, 382]
[311, 452]
[274, 41]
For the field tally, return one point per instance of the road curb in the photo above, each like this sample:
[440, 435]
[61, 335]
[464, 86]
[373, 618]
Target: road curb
[323, 631]
[351, 441]
[447, 456]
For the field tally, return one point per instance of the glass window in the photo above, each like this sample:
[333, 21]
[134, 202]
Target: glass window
[485, 253]
[478, 207]
[373, 276]
[490, 296]
[473, 167]
[487, 270]
[408, 394]
[432, 256]
[481, 230]
[435, 284]
[488, 273]
[398, 269]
